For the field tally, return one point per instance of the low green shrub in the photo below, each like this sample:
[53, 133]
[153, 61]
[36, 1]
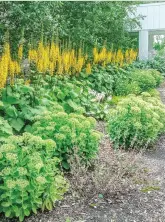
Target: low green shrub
[68, 93]
[136, 81]
[116, 99]
[98, 110]
[69, 131]
[136, 121]
[29, 177]
[125, 87]
[144, 79]
[18, 107]
[154, 93]
[157, 106]
[157, 76]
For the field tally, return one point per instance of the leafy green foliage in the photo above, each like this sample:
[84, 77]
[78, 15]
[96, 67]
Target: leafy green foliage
[18, 105]
[74, 95]
[30, 16]
[98, 110]
[101, 21]
[154, 93]
[101, 80]
[116, 99]
[5, 129]
[21, 103]
[29, 176]
[136, 121]
[88, 22]
[157, 63]
[69, 94]
[68, 131]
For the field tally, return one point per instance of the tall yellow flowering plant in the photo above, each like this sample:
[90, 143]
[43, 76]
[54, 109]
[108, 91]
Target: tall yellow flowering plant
[8, 67]
[60, 58]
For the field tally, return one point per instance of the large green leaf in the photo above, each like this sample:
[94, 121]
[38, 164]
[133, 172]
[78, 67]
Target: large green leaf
[17, 124]
[11, 111]
[10, 99]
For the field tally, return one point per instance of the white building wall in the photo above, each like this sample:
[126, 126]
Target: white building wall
[154, 16]
[153, 22]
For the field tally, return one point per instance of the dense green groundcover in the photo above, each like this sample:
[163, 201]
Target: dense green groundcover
[43, 124]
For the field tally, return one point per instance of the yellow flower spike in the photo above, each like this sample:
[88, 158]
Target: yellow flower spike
[17, 67]
[20, 52]
[88, 68]
[95, 55]
[27, 82]
[86, 57]
[51, 68]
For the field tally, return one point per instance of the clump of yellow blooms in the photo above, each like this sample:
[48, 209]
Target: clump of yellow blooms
[116, 57]
[20, 52]
[130, 55]
[8, 67]
[62, 59]
[50, 58]
[88, 68]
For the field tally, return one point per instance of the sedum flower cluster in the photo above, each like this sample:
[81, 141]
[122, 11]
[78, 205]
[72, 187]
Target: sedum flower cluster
[69, 131]
[136, 121]
[29, 175]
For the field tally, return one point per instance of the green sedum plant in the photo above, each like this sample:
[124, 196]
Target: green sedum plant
[68, 131]
[29, 177]
[136, 121]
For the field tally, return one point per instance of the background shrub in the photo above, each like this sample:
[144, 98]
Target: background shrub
[29, 176]
[144, 79]
[157, 76]
[157, 63]
[125, 87]
[136, 122]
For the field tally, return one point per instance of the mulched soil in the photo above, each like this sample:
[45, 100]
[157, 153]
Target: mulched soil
[131, 206]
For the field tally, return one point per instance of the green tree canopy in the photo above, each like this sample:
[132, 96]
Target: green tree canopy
[88, 22]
